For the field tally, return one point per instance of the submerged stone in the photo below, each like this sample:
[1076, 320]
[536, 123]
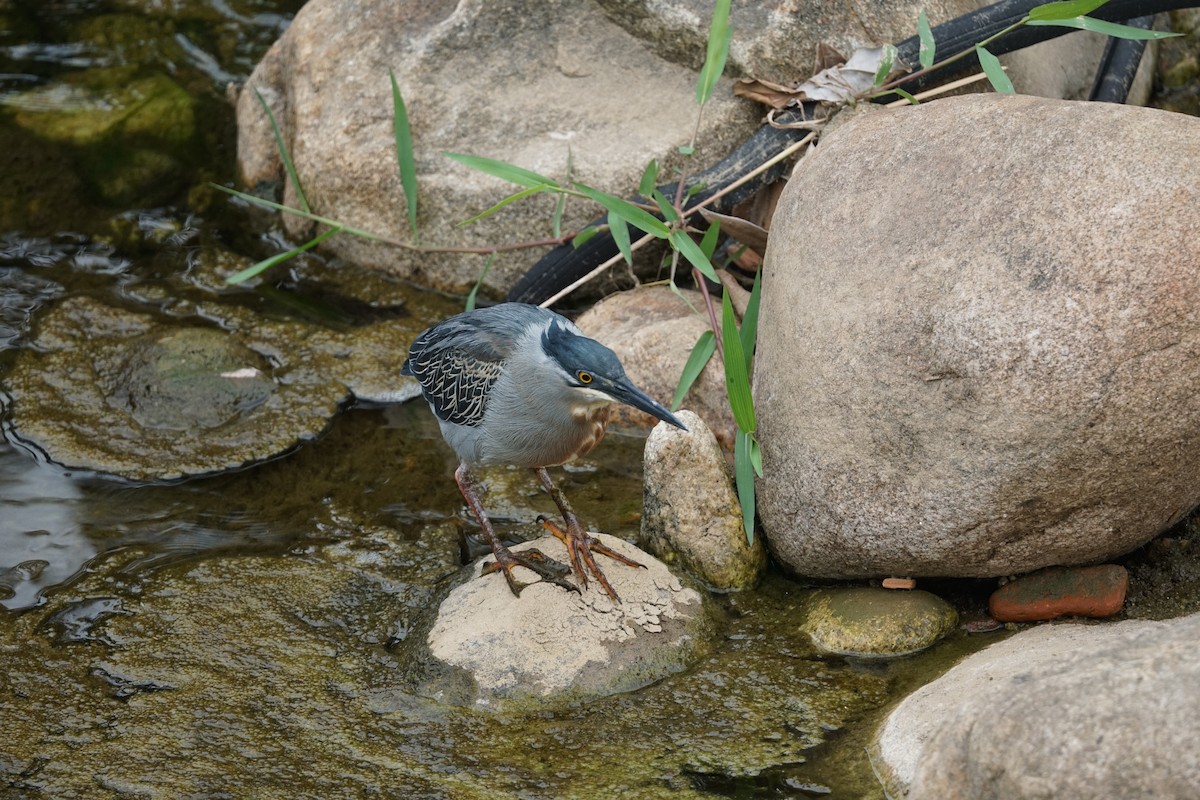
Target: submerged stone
[179, 379]
[877, 623]
[118, 392]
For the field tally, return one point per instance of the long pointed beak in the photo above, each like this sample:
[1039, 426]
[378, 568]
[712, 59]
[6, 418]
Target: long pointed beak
[627, 393]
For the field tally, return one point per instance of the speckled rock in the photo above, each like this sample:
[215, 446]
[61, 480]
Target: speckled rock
[1060, 711]
[691, 512]
[454, 64]
[777, 41]
[971, 399]
[877, 623]
[1097, 591]
[553, 645]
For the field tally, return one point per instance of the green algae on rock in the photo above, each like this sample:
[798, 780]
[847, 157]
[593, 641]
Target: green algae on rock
[119, 392]
[877, 623]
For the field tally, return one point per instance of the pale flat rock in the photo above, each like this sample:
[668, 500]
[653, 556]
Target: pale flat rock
[553, 645]
[1060, 711]
[985, 361]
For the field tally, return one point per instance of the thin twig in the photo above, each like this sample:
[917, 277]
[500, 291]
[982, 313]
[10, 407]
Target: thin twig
[949, 87]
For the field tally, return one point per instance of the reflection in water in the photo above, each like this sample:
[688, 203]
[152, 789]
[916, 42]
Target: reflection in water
[41, 539]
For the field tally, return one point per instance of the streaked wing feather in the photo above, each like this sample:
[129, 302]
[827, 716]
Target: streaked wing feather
[457, 363]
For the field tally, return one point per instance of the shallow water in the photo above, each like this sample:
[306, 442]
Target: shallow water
[243, 634]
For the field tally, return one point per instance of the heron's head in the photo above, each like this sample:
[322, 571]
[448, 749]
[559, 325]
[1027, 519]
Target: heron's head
[594, 374]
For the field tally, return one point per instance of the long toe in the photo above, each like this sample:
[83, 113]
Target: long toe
[580, 547]
[534, 560]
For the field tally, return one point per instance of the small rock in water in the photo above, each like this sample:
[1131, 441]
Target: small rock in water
[551, 645]
[691, 511]
[1097, 591]
[877, 623]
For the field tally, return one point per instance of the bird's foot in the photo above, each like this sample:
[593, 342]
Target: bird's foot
[580, 547]
[532, 559]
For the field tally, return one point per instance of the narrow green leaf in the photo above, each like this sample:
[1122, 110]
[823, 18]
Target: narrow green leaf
[675, 290]
[639, 218]
[1065, 9]
[743, 473]
[907, 96]
[708, 243]
[749, 333]
[688, 248]
[404, 155]
[737, 378]
[620, 234]
[512, 198]
[701, 353]
[995, 72]
[694, 190]
[479, 282]
[649, 179]
[283, 152]
[686, 150]
[560, 207]
[885, 64]
[503, 170]
[1107, 28]
[267, 263]
[928, 46]
[720, 33]
[756, 456]
[664, 205]
[584, 235]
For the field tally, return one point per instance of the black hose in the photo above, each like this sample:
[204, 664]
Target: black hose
[1119, 65]
[565, 264]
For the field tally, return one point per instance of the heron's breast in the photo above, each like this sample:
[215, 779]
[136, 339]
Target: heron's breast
[591, 422]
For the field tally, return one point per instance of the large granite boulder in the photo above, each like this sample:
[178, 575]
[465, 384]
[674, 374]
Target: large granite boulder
[978, 345]
[1060, 711]
[606, 84]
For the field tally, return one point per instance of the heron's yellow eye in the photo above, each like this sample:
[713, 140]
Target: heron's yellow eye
[584, 377]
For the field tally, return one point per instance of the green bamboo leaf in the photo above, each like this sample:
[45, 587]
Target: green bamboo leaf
[1107, 28]
[512, 198]
[267, 263]
[719, 36]
[620, 234]
[749, 332]
[756, 456]
[928, 46]
[701, 353]
[737, 378]
[503, 170]
[907, 96]
[560, 207]
[649, 179]
[995, 72]
[283, 152]
[664, 205]
[479, 281]
[688, 248]
[404, 155]
[743, 473]
[708, 243]
[1065, 9]
[885, 64]
[639, 218]
[584, 235]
